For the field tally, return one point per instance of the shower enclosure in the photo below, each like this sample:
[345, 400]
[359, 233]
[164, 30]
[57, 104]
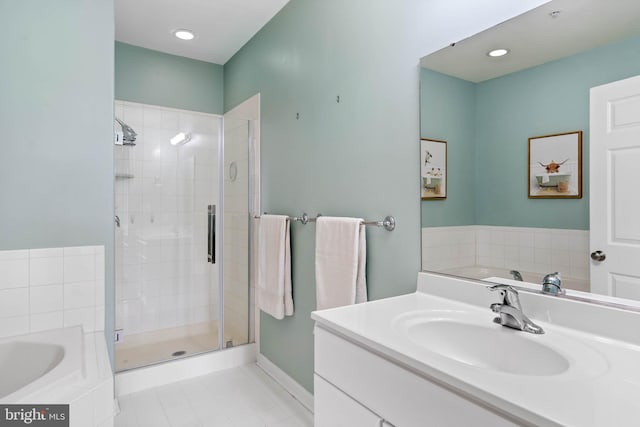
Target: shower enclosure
[182, 233]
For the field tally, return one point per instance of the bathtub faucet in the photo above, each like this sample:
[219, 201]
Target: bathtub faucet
[510, 311]
[516, 275]
[551, 284]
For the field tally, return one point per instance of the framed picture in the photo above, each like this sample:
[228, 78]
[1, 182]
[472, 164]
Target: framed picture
[555, 166]
[433, 169]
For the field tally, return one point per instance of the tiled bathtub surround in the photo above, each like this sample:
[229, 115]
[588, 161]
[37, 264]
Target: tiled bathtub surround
[539, 250]
[51, 288]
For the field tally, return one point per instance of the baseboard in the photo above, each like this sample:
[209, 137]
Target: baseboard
[296, 390]
[177, 370]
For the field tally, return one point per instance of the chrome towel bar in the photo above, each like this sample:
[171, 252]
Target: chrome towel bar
[389, 222]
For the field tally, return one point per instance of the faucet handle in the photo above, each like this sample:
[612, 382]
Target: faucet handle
[501, 287]
[552, 284]
[509, 294]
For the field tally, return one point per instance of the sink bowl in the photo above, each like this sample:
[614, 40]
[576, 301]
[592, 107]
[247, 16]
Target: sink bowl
[482, 344]
[499, 349]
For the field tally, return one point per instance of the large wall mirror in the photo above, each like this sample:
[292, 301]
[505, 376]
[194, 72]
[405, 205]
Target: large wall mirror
[488, 109]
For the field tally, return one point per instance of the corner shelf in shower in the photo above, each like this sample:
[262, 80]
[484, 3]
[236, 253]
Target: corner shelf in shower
[124, 176]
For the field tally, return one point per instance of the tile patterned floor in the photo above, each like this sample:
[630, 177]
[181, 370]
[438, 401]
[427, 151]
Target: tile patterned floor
[239, 397]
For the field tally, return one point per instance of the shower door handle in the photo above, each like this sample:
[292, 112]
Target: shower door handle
[211, 234]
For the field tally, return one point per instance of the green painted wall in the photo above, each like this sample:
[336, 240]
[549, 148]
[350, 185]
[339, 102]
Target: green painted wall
[156, 78]
[543, 100]
[358, 157]
[56, 157]
[448, 112]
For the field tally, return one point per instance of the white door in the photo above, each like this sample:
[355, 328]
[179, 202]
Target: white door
[615, 188]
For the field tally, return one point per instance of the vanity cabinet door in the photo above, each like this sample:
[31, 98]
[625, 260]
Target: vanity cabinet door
[333, 408]
[393, 392]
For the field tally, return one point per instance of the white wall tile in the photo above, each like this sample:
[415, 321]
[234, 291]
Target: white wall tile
[559, 240]
[45, 271]
[78, 295]
[99, 260]
[511, 237]
[532, 250]
[152, 117]
[46, 321]
[133, 114]
[542, 239]
[497, 236]
[99, 321]
[100, 292]
[14, 273]
[81, 268]
[14, 254]
[38, 303]
[10, 326]
[527, 239]
[81, 316]
[45, 252]
[43, 299]
[79, 250]
[14, 302]
[542, 260]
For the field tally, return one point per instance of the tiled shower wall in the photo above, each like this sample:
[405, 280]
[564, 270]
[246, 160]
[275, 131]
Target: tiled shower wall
[163, 279]
[51, 288]
[536, 250]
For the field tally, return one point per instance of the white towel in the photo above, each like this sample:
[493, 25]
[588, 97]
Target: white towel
[545, 178]
[341, 253]
[274, 266]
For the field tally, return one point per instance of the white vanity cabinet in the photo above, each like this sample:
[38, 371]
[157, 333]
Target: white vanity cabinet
[356, 387]
[333, 408]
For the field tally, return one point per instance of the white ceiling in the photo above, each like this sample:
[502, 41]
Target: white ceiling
[221, 27]
[535, 38]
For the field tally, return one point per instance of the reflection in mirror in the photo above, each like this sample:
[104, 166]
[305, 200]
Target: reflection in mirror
[487, 108]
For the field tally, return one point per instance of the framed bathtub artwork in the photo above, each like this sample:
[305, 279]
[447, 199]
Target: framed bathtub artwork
[555, 166]
[433, 169]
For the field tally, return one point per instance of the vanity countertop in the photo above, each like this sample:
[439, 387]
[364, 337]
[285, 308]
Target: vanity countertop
[600, 387]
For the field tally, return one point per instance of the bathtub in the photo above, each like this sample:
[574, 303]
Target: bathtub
[60, 366]
[35, 362]
[480, 272]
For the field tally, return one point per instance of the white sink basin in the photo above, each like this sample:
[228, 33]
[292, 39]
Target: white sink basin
[476, 341]
[499, 349]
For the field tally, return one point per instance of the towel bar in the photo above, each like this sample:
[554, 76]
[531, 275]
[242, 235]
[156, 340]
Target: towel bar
[389, 222]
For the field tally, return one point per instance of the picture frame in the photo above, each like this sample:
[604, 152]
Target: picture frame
[555, 166]
[433, 169]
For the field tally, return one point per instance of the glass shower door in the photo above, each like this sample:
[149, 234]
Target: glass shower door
[167, 288]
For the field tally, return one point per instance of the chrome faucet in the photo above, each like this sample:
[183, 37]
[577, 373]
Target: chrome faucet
[510, 311]
[516, 275]
[551, 284]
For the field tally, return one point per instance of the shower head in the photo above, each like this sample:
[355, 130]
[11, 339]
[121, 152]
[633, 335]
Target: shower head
[128, 134]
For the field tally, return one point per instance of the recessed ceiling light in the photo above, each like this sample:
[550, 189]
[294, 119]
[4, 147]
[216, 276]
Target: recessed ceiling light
[498, 52]
[184, 34]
